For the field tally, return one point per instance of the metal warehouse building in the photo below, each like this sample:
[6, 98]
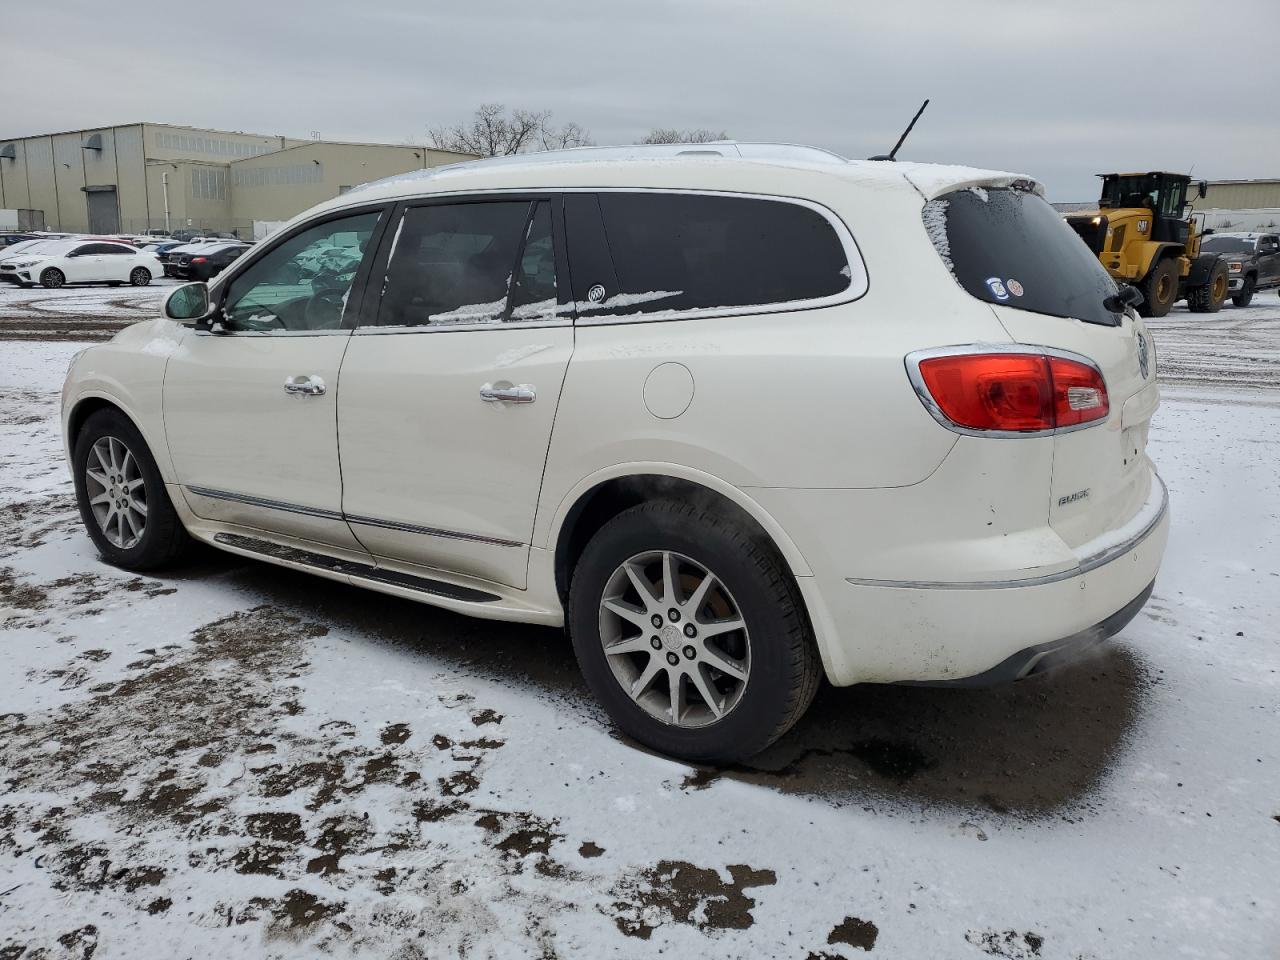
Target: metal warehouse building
[154, 176]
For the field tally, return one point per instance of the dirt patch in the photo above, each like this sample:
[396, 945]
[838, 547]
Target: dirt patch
[395, 733]
[857, 933]
[32, 523]
[590, 850]
[486, 716]
[678, 892]
[1009, 944]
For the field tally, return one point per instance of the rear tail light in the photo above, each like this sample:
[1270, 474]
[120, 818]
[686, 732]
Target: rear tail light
[1010, 392]
[199, 259]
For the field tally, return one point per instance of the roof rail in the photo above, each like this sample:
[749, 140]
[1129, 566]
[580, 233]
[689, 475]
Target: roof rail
[718, 149]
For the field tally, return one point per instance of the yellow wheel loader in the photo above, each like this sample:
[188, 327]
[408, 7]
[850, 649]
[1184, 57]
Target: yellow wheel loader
[1143, 235]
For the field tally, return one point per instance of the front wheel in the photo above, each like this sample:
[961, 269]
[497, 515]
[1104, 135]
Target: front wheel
[122, 497]
[1209, 297]
[1245, 296]
[52, 278]
[1159, 289]
[140, 276]
[692, 633]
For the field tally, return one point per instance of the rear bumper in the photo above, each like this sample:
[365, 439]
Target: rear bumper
[997, 626]
[1044, 657]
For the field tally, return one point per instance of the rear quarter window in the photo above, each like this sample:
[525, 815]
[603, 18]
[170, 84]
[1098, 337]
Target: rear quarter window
[678, 252]
[1010, 247]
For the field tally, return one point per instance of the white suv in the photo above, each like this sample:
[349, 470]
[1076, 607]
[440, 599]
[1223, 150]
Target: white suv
[739, 419]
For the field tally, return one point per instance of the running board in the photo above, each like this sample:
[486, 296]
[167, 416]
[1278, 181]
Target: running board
[359, 571]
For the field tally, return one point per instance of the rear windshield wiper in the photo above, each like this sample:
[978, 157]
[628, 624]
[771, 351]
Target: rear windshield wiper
[1126, 296]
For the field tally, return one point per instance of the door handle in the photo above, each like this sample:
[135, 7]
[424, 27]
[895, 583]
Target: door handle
[524, 393]
[311, 386]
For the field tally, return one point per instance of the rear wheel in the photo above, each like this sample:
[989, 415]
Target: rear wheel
[692, 633]
[1209, 297]
[140, 276]
[1160, 289]
[52, 278]
[1245, 296]
[122, 497]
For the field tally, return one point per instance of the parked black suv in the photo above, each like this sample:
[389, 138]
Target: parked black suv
[1253, 262]
[204, 262]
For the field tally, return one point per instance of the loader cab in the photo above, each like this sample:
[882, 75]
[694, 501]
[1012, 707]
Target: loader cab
[1164, 194]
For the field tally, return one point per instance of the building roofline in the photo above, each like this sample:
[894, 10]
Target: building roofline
[147, 123]
[358, 143]
[1263, 180]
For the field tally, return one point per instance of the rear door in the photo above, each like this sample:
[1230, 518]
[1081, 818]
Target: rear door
[448, 393]
[1012, 250]
[116, 262]
[1269, 259]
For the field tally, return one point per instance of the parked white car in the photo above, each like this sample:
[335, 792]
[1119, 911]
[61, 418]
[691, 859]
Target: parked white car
[739, 420]
[59, 262]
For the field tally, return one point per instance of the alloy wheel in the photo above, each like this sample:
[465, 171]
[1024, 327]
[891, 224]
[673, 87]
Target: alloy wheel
[675, 638]
[116, 491]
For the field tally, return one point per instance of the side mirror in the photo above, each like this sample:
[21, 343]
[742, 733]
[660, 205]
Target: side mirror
[1203, 188]
[188, 302]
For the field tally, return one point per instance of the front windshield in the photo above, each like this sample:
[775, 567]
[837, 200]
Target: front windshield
[1229, 244]
[26, 246]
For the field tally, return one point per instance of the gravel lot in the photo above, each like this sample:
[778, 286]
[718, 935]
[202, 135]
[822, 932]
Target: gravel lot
[239, 760]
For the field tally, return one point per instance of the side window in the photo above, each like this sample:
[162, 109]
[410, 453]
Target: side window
[115, 249]
[534, 295]
[455, 263]
[690, 251]
[303, 282]
[84, 250]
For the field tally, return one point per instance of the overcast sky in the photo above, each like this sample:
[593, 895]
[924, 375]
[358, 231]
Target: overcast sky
[1060, 90]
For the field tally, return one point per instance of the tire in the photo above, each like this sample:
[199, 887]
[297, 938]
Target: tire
[1209, 296]
[97, 448]
[775, 655]
[52, 278]
[1245, 296]
[140, 276]
[1159, 289]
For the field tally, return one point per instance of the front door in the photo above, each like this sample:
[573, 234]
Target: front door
[448, 395]
[84, 263]
[250, 410]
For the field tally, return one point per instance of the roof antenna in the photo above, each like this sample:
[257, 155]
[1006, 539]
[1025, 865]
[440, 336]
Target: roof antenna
[892, 153]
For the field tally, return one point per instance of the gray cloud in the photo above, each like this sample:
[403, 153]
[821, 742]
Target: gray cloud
[1059, 90]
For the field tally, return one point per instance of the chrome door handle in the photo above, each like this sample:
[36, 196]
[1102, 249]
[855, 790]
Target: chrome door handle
[311, 386]
[524, 393]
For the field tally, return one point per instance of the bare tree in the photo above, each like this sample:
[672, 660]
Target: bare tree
[493, 132]
[672, 135]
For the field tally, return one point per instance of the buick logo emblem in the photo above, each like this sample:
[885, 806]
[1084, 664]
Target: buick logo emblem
[1144, 360]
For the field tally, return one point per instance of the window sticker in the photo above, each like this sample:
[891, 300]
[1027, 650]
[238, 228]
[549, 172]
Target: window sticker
[997, 288]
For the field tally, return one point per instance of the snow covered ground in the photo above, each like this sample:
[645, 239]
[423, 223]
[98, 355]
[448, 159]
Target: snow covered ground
[237, 760]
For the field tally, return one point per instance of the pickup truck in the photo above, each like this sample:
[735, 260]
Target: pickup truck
[1253, 262]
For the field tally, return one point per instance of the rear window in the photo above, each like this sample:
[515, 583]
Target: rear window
[1228, 244]
[1009, 247]
[692, 252]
